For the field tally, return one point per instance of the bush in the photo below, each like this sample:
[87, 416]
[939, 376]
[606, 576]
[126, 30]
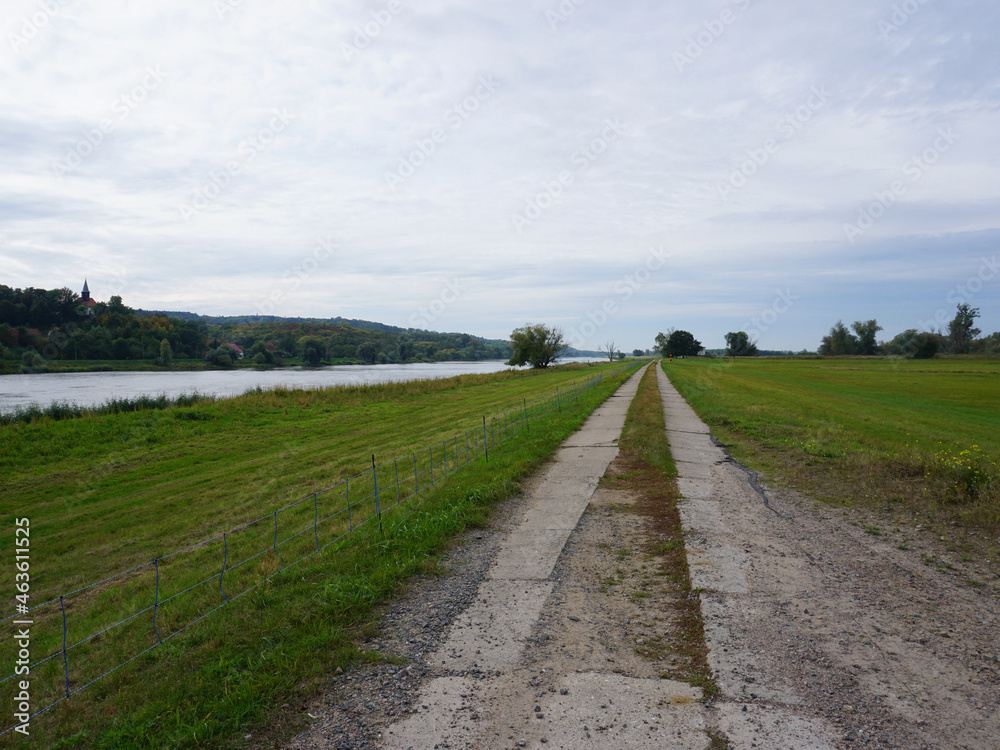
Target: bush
[32, 361]
[925, 345]
[221, 357]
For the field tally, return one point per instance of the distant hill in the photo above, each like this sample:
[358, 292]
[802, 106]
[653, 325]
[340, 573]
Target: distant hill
[221, 320]
[232, 321]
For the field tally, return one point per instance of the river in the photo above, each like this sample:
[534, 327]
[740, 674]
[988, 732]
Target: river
[94, 388]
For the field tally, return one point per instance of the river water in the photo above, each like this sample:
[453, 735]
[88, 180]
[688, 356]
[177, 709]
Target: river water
[94, 388]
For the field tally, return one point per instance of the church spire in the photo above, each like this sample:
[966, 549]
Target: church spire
[85, 296]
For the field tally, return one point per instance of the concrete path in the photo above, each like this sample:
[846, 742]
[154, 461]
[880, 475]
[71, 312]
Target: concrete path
[474, 702]
[765, 717]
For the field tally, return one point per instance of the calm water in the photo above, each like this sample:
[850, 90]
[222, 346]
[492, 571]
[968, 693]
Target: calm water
[92, 388]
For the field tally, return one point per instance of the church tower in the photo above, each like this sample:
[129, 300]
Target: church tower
[85, 296]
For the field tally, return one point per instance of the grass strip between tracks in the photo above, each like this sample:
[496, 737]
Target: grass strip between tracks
[649, 472]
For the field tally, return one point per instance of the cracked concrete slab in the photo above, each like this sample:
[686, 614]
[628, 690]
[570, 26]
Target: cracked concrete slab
[490, 634]
[489, 637]
[613, 711]
[718, 567]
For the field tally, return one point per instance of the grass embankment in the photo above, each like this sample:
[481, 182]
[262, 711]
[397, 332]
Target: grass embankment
[875, 432]
[106, 492]
[650, 472]
[13, 366]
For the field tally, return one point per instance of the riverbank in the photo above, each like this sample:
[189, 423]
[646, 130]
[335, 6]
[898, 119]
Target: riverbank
[14, 367]
[89, 390]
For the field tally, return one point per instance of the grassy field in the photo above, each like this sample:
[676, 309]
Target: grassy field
[924, 434]
[108, 492]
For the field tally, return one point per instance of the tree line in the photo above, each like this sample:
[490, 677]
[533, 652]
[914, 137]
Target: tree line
[860, 339]
[37, 325]
[961, 337]
[55, 324]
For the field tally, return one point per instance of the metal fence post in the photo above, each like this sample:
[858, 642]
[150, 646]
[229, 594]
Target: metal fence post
[416, 481]
[347, 486]
[395, 465]
[156, 601]
[378, 508]
[282, 566]
[316, 520]
[62, 605]
[225, 559]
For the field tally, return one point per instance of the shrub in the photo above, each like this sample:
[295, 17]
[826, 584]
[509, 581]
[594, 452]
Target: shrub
[925, 345]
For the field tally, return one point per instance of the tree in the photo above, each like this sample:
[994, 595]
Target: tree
[678, 344]
[961, 333]
[738, 344]
[120, 349]
[31, 359]
[926, 345]
[259, 354]
[838, 342]
[166, 353]
[989, 344]
[221, 357]
[661, 341]
[312, 351]
[367, 352]
[637, 352]
[537, 345]
[866, 331]
[609, 349]
[902, 343]
[405, 346]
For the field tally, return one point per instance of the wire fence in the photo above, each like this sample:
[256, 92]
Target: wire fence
[120, 618]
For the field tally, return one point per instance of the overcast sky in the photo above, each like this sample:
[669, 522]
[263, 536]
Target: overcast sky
[614, 168]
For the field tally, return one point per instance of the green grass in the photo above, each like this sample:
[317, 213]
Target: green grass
[882, 432]
[107, 492]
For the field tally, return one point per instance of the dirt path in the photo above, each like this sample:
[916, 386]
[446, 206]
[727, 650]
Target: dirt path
[826, 631]
[553, 630]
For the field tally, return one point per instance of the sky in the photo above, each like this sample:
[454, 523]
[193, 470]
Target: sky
[615, 169]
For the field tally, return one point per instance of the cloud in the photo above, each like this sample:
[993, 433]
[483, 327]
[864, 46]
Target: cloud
[188, 186]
